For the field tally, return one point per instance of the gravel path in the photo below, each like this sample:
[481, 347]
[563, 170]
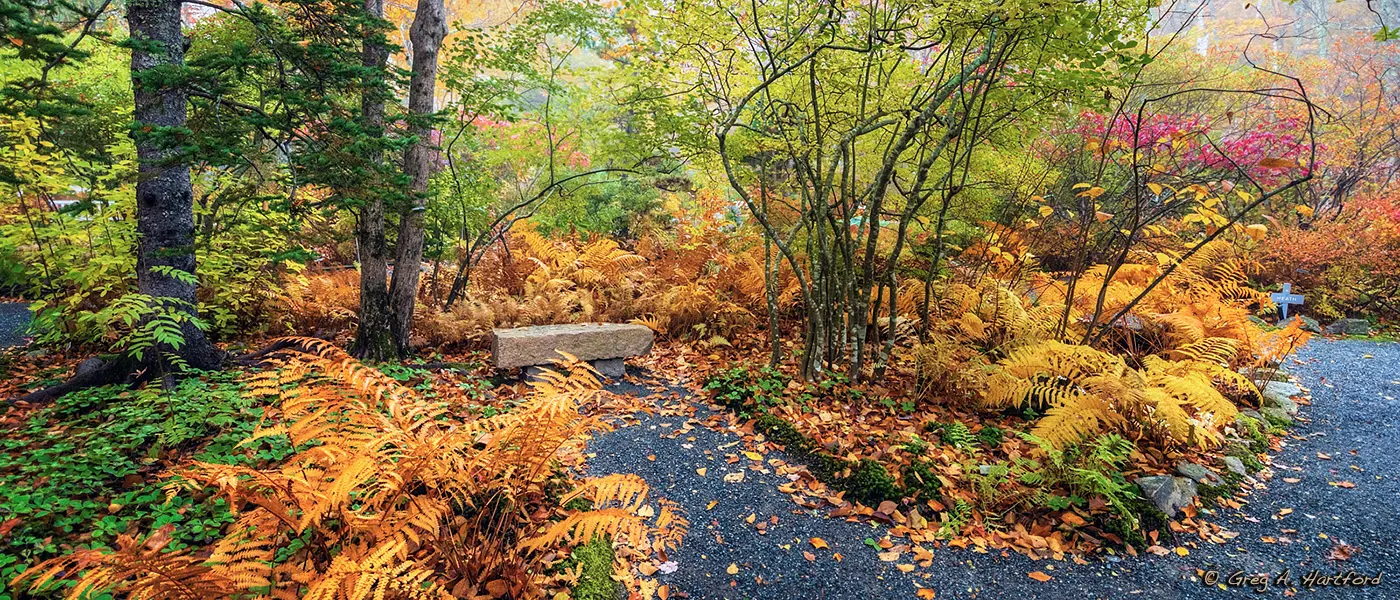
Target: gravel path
[1353, 420]
[14, 317]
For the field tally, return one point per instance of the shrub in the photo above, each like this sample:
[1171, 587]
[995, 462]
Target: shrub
[385, 496]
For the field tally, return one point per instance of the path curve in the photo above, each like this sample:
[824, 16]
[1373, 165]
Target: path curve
[1354, 410]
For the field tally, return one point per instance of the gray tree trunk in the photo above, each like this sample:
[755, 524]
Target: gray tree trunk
[373, 337]
[164, 196]
[426, 34]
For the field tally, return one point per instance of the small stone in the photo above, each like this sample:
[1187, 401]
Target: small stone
[1167, 493]
[1199, 473]
[610, 367]
[1235, 465]
[1280, 395]
[1349, 327]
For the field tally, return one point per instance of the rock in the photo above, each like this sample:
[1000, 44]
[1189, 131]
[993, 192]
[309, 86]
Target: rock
[610, 367]
[1167, 493]
[1310, 324]
[1258, 321]
[1235, 465]
[1279, 394]
[1251, 413]
[1349, 327]
[1275, 413]
[540, 345]
[1199, 473]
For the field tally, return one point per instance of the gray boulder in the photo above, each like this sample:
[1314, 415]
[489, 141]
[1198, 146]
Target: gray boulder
[1349, 327]
[1199, 473]
[1235, 465]
[602, 344]
[1169, 494]
[1310, 324]
[1280, 394]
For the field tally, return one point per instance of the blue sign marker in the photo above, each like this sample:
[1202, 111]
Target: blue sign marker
[1284, 298]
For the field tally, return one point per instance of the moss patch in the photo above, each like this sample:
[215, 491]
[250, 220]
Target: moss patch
[595, 580]
[866, 481]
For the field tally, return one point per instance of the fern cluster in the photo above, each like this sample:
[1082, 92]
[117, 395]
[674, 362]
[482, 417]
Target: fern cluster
[386, 497]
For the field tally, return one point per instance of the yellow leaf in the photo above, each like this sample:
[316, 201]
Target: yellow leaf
[753, 455]
[1257, 231]
[733, 569]
[701, 471]
[904, 568]
[1304, 210]
[818, 543]
[1080, 186]
[712, 505]
[1182, 551]
[1046, 211]
[1155, 188]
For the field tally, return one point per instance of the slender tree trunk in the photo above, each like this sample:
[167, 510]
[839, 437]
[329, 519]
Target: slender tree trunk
[426, 34]
[373, 338]
[164, 195]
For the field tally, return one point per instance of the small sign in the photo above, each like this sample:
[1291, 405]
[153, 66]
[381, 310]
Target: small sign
[1285, 298]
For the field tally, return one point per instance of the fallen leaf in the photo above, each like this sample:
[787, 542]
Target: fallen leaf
[905, 568]
[1322, 456]
[701, 471]
[1039, 576]
[1073, 520]
[1341, 551]
[1342, 484]
[926, 594]
[1285, 511]
[663, 592]
[753, 455]
[890, 556]
[1182, 551]
[734, 477]
[818, 543]
[838, 557]
[733, 569]
[712, 505]
[1291, 480]
[651, 457]
[809, 556]
[647, 569]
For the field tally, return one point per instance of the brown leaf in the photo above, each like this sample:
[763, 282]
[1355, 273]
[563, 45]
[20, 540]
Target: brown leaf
[1039, 576]
[818, 543]
[809, 556]
[926, 594]
[904, 568]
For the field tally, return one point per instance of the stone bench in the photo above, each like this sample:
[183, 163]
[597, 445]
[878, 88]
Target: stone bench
[603, 345]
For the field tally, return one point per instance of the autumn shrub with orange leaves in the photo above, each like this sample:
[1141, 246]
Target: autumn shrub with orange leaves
[1346, 264]
[389, 497]
[698, 279]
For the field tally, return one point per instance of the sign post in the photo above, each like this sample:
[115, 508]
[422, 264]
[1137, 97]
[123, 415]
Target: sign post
[1285, 298]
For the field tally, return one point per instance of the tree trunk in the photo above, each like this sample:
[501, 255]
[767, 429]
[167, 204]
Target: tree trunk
[426, 34]
[373, 338]
[164, 196]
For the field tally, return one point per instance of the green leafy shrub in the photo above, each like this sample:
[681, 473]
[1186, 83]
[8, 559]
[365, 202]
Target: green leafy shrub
[86, 468]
